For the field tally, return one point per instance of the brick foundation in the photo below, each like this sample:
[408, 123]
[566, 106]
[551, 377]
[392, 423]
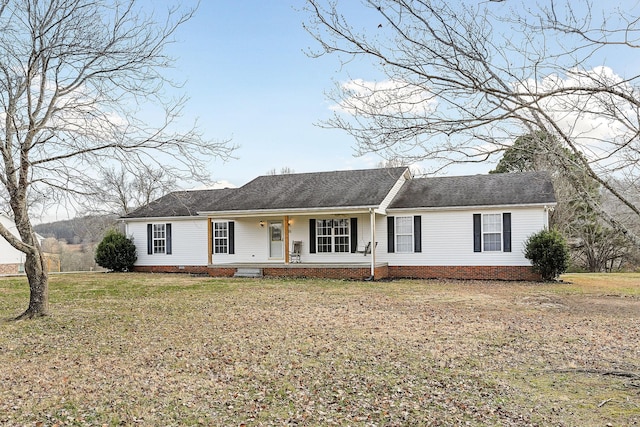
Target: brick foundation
[465, 272]
[356, 273]
[9, 268]
[521, 273]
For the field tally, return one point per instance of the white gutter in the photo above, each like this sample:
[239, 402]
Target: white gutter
[159, 218]
[274, 212]
[470, 207]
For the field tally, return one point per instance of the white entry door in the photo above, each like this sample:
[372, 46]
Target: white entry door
[276, 240]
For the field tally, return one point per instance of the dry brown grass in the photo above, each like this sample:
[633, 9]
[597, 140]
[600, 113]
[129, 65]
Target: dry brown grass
[137, 349]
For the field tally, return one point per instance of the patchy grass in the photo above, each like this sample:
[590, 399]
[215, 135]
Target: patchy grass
[622, 284]
[143, 349]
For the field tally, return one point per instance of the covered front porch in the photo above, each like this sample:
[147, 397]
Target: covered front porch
[334, 244]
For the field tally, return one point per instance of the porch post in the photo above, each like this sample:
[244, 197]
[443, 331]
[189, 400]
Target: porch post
[286, 239]
[373, 242]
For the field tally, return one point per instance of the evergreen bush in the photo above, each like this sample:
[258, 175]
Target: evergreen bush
[116, 252]
[548, 252]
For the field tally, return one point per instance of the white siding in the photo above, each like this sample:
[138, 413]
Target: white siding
[251, 241]
[189, 242]
[9, 254]
[447, 238]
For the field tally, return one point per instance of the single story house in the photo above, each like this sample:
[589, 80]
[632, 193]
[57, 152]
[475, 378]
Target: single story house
[360, 224]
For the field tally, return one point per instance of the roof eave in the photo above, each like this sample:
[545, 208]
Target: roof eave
[299, 211]
[159, 218]
[471, 207]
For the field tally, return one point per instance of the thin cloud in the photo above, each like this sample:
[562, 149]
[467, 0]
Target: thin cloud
[385, 97]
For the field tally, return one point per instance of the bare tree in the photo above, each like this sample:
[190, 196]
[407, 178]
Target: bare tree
[75, 76]
[458, 82]
[392, 163]
[122, 192]
[285, 170]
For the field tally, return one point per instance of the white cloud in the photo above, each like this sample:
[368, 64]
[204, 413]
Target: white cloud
[595, 120]
[214, 185]
[386, 97]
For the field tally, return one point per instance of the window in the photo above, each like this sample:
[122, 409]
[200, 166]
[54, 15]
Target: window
[341, 235]
[332, 235]
[159, 239]
[492, 232]
[220, 237]
[404, 234]
[323, 234]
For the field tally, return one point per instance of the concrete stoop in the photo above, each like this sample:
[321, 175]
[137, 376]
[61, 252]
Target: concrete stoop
[248, 272]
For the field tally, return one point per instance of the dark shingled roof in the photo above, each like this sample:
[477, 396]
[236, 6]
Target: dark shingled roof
[356, 188]
[180, 203]
[476, 190]
[351, 188]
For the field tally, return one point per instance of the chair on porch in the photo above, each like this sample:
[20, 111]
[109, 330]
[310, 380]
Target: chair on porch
[296, 250]
[367, 249]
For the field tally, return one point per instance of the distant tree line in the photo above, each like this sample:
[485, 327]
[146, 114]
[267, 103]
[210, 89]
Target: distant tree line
[74, 241]
[86, 229]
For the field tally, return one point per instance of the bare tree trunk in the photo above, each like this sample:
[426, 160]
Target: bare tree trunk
[34, 267]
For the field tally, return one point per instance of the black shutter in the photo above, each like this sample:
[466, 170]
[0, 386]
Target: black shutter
[506, 232]
[417, 233]
[231, 231]
[354, 234]
[477, 233]
[167, 236]
[312, 236]
[390, 234]
[149, 239]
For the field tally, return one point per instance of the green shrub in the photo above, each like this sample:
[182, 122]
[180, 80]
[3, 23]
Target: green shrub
[116, 252]
[548, 252]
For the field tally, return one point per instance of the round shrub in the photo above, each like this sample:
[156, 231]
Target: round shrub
[116, 252]
[548, 253]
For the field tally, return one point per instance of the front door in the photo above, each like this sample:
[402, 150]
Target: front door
[276, 240]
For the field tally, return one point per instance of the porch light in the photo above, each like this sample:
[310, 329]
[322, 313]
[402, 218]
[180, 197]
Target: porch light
[261, 223]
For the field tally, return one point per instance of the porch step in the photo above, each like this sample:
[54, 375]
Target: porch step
[248, 272]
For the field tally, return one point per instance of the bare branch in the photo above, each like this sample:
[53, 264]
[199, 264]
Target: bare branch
[460, 82]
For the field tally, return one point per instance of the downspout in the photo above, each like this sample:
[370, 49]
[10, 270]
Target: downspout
[547, 210]
[372, 220]
[209, 241]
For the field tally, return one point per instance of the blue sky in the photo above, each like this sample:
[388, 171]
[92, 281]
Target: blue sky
[249, 78]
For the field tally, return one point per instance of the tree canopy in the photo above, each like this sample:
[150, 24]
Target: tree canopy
[458, 82]
[77, 78]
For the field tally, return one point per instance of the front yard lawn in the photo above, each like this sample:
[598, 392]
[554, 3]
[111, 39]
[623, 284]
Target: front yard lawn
[153, 349]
